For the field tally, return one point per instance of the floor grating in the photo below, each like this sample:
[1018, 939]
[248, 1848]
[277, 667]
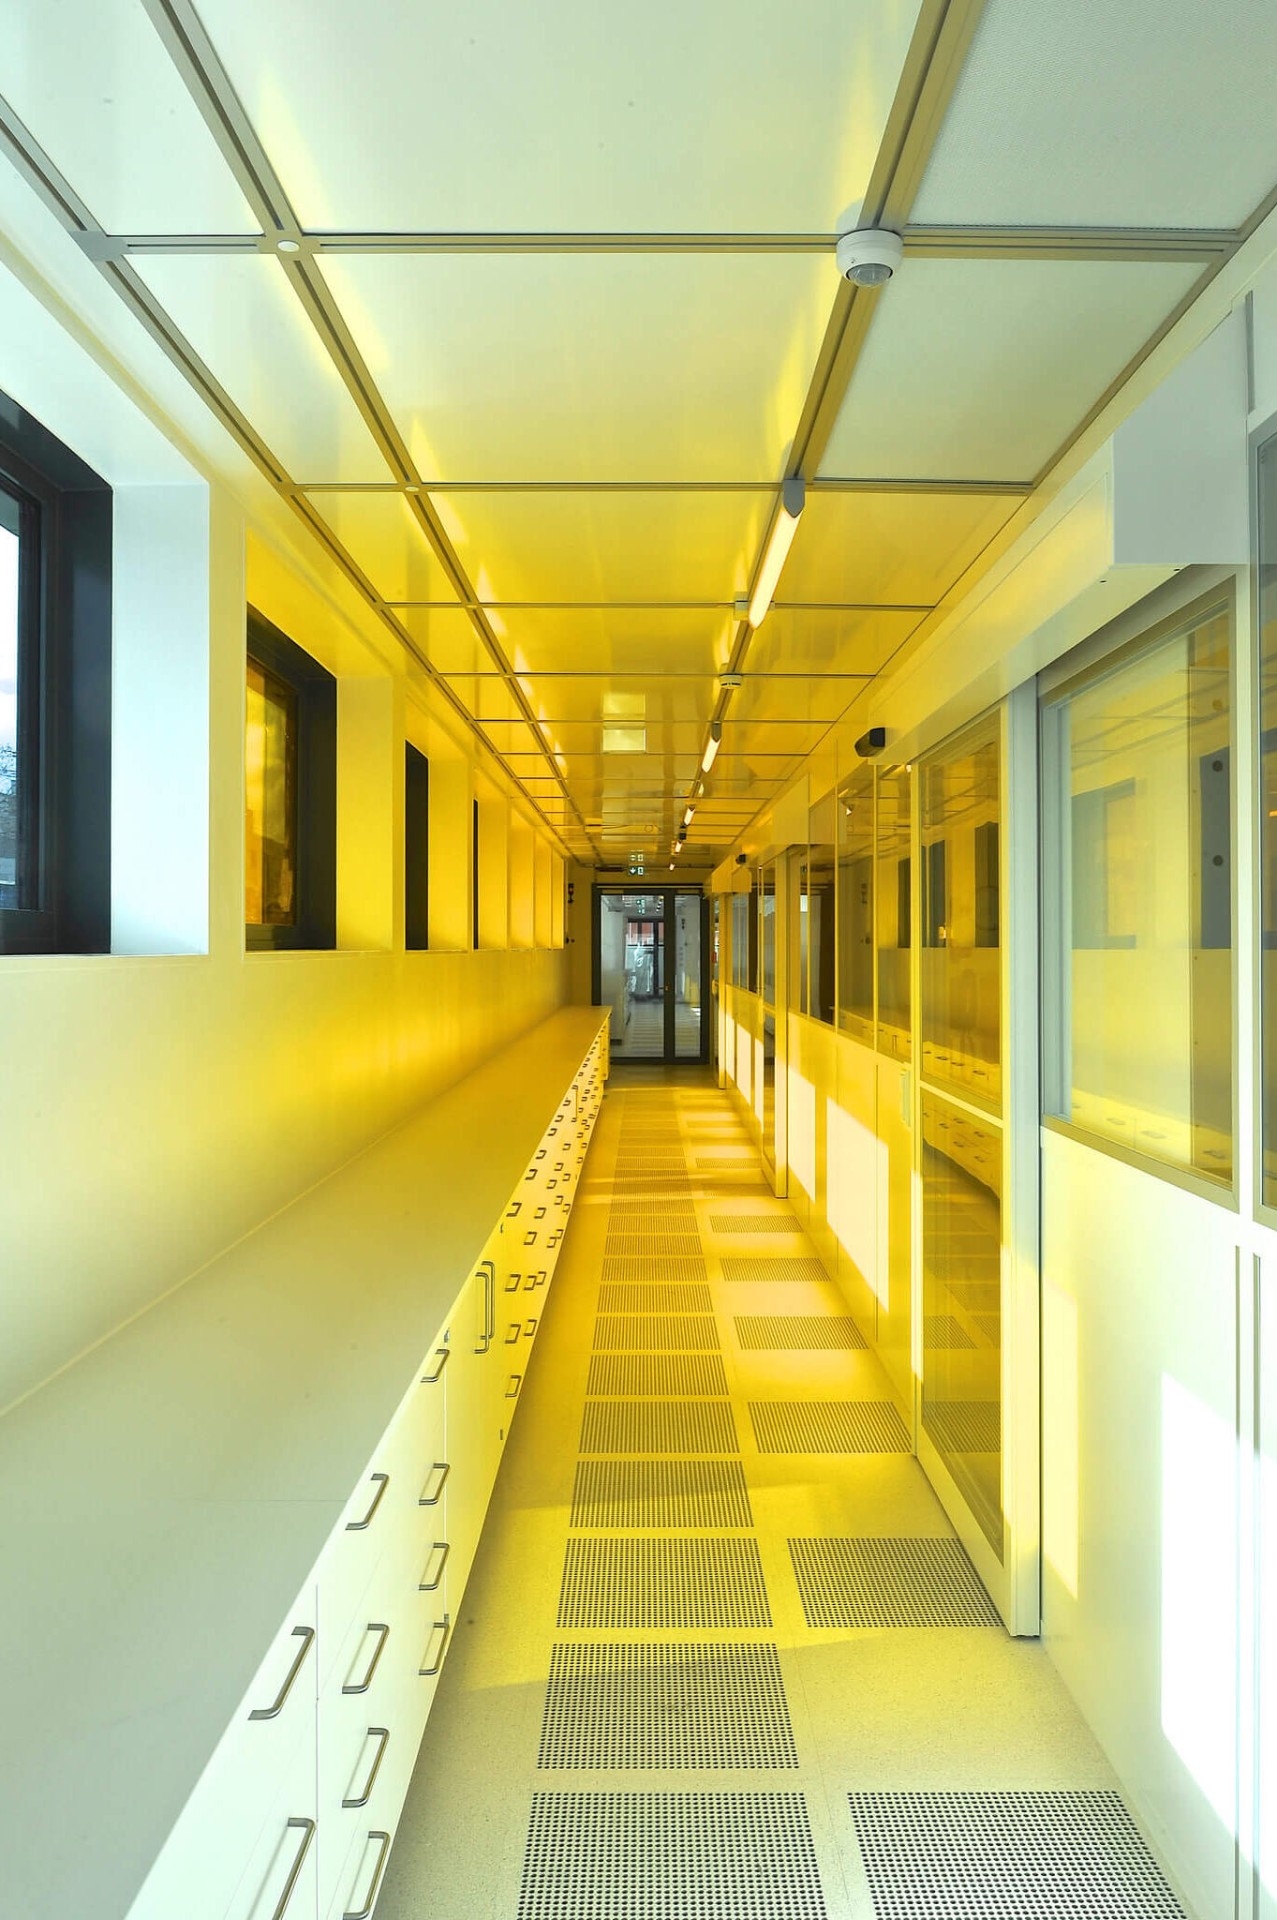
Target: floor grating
[660, 1493]
[658, 1426]
[670, 1856]
[827, 1426]
[687, 1376]
[754, 1223]
[624, 1268]
[963, 1426]
[655, 1296]
[654, 1332]
[941, 1330]
[676, 1246]
[663, 1583]
[740, 1268]
[795, 1332]
[1007, 1856]
[620, 1706]
[889, 1583]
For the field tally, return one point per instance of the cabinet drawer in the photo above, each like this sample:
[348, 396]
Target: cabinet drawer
[281, 1880]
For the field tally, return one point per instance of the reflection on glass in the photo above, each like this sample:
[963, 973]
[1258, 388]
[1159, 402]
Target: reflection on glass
[856, 904]
[740, 939]
[1268, 801]
[687, 976]
[751, 965]
[892, 911]
[962, 1304]
[769, 1090]
[1137, 759]
[270, 822]
[961, 978]
[13, 888]
[767, 933]
[818, 914]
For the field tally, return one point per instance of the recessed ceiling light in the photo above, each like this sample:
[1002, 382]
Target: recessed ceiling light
[288, 246]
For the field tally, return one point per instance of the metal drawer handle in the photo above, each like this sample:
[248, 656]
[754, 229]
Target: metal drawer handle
[306, 1635]
[530, 1239]
[425, 1499]
[512, 1335]
[531, 1328]
[432, 1586]
[443, 1628]
[358, 1526]
[378, 1627]
[512, 1391]
[295, 1872]
[383, 1734]
[363, 1913]
[513, 1210]
[512, 1282]
[442, 1356]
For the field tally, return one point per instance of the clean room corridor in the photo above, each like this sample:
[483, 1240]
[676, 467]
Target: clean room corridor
[721, 1654]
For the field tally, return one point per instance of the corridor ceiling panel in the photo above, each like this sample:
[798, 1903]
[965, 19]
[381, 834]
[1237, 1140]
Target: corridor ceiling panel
[982, 368]
[92, 82]
[886, 548]
[246, 324]
[529, 312]
[1153, 113]
[543, 368]
[575, 116]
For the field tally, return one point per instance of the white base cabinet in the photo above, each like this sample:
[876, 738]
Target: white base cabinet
[294, 1817]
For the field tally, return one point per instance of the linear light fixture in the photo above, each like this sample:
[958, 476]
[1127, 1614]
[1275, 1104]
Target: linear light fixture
[792, 496]
[687, 818]
[714, 742]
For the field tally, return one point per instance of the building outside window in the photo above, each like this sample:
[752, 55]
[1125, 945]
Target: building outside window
[290, 818]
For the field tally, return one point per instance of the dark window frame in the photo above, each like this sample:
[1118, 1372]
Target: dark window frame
[64, 724]
[315, 692]
[416, 850]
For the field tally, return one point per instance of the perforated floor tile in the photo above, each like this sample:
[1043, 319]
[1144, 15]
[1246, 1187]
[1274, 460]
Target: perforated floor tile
[670, 1856]
[942, 1330]
[657, 1296]
[674, 1209]
[963, 1426]
[1007, 1856]
[889, 1583]
[740, 1268]
[827, 1426]
[616, 1706]
[663, 1583]
[627, 1270]
[654, 1332]
[665, 1246]
[791, 1332]
[682, 1375]
[660, 1493]
[754, 1223]
[658, 1426]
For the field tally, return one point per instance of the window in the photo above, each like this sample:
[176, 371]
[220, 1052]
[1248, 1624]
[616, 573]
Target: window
[816, 918]
[416, 847]
[1137, 854]
[856, 904]
[55, 695]
[1268, 805]
[961, 1011]
[767, 933]
[290, 801]
[893, 916]
[474, 875]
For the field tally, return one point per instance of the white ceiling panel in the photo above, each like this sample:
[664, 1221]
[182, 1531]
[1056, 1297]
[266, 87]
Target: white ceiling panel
[92, 81]
[980, 369]
[888, 547]
[247, 325]
[1151, 113]
[578, 117]
[545, 368]
[384, 537]
[608, 546]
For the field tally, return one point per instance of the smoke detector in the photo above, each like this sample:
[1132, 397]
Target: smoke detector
[870, 256]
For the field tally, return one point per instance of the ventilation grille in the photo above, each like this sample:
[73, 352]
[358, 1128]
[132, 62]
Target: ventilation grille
[681, 1375]
[1007, 1856]
[615, 1706]
[663, 1583]
[656, 1296]
[654, 1332]
[647, 1184]
[792, 1331]
[963, 1426]
[679, 1209]
[670, 1856]
[889, 1583]
[668, 1272]
[941, 1330]
[658, 1426]
[738, 1268]
[624, 1243]
[753, 1223]
[827, 1426]
[660, 1493]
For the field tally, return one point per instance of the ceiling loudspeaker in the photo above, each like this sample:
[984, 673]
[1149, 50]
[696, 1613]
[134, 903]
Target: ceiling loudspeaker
[871, 743]
[870, 256]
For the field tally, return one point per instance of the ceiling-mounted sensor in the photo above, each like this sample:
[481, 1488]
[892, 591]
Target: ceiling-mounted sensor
[870, 256]
[730, 682]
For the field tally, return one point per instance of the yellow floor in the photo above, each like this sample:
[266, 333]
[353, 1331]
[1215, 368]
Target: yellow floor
[686, 1673]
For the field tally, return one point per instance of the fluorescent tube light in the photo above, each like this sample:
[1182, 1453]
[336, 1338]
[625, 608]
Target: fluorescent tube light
[714, 742]
[784, 527]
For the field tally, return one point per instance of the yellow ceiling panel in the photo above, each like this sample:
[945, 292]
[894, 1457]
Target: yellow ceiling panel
[633, 701]
[381, 533]
[666, 547]
[447, 637]
[556, 383]
[510, 119]
[622, 640]
[795, 737]
[247, 325]
[821, 698]
[487, 696]
[888, 547]
[980, 369]
[810, 640]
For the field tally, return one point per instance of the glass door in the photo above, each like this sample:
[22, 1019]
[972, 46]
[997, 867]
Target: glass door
[650, 965]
